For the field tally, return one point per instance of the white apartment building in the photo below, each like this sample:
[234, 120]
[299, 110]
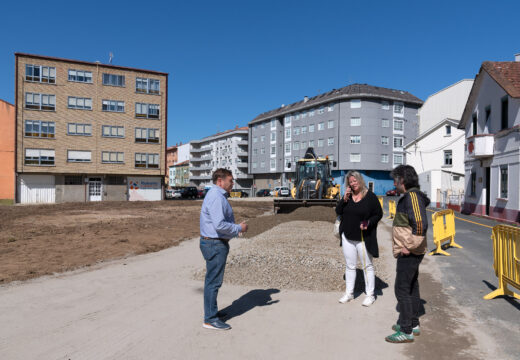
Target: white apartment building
[226, 149]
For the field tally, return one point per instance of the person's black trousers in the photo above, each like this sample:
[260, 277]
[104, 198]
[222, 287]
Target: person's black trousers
[407, 291]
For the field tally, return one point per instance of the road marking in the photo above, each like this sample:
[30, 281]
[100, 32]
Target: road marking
[491, 227]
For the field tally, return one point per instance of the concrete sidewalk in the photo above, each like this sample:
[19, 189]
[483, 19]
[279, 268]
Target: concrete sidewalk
[149, 307]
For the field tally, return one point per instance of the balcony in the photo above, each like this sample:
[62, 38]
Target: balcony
[243, 176]
[200, 177]
[481, 146]
[202, 149]
[243, 142]
[241, 153]
[202, 167]
[242, 165]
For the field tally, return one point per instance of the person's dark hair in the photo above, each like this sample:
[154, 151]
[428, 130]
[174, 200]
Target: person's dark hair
[407, 174]
[220, 173]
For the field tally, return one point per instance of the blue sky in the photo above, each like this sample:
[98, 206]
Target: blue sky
[232, 60]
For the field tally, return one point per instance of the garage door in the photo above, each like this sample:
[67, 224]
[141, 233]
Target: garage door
[144, 188]
[36, 189]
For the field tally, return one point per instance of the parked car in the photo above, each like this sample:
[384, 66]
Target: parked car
[189, 192]
[201, 194]
[242, 193]
[263, 192]
[168, 194]
[392, 192]
[283, 191]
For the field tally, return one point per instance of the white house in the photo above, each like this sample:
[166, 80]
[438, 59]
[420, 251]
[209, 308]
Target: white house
[491, 121]
[437, 154]
[438, 157]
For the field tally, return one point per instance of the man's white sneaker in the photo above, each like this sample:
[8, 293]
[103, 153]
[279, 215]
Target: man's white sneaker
[369, 300]
[346, 298]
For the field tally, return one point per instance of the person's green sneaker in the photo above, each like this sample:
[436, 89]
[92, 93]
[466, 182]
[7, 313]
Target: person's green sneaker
[416, 331]
[399, 337]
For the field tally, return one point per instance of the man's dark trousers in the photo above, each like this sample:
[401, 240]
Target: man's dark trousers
[215, 253]
[407, 291]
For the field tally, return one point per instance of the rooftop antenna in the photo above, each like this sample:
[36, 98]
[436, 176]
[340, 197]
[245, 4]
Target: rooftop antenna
[110, 57]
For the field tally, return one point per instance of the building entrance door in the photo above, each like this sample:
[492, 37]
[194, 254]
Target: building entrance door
[488, 189]
[371, 186]
[94, 189]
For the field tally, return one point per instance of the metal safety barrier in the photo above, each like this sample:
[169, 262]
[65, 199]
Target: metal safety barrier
[506, 255]
[391, 209]
[381, 202]
[235, 194]
[443, 229]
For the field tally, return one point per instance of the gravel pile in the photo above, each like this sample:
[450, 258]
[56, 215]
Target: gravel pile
[301, 255]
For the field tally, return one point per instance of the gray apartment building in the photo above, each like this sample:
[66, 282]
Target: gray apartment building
[361, 127]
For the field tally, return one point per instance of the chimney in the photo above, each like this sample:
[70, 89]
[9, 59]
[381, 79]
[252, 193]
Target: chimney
[517, 57]
[305, 99]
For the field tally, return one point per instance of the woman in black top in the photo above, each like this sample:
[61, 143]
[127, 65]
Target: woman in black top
[360, 212]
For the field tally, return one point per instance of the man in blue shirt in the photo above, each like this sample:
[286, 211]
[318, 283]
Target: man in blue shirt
[217, 227]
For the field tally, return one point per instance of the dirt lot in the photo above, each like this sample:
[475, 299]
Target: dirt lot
[45, 239]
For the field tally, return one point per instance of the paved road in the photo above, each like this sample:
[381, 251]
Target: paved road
[468, 275]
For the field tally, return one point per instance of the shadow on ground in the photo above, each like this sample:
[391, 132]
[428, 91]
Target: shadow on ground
[248, 301]
[509, 299]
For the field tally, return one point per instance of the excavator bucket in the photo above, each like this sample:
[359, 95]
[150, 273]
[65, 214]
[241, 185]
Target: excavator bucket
[286, 205]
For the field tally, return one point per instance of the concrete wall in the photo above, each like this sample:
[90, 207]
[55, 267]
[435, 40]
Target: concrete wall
[115, 192]
[7, 174]
[446, 103]
[69, 193]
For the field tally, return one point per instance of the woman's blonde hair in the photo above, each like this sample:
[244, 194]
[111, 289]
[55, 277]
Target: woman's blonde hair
[359, 179]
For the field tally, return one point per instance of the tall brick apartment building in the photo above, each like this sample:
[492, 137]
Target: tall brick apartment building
[87, 131]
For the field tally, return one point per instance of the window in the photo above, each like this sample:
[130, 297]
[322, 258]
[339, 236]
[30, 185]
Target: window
[79, 156]
[398, 142]
[488, 116]
[145, 135]
[36, 101]
[287, 120]
[385, 123]
[321, 126]
[355, 104]
[39, 129]
[80, 76]
[262, 125]
[398, 109]
[119, 180]
[398, 159]
[304, 114]
[287, 161]
[273, 136]
[398, 125]
[145, 160]
[42, 157]
[262, 138]
[113, 106]
[330, 107]
[474, 124]
[255, 151]
[273, 124]
[287, 134]
[320, 142]
[273, 150]
[262, 150]
[304, 130]
[255, 139]
[296, 145]
[254, 165]
[114, 80]
[448, 160]
[321, 110]
[384, 140]
[355, 157]
[304, 145]
[473, 185]
[384, 158]
[147, 86]
[262, 164]
[330, 124]
[148, 111]
[113, 131]
[296, 131]
[113, 157]
[355, 121]
[287, 149]
[504, 113]
[273, 164]
[330, 141]
[385, 105]
[503, 181]
[355, 139]
[311, 128]
[42, 74]
[79, 103]
[448, 130]
[311, 112]
[311, 143]
[79, 129]
[73, 180]
[331, 158]
[296, 116]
